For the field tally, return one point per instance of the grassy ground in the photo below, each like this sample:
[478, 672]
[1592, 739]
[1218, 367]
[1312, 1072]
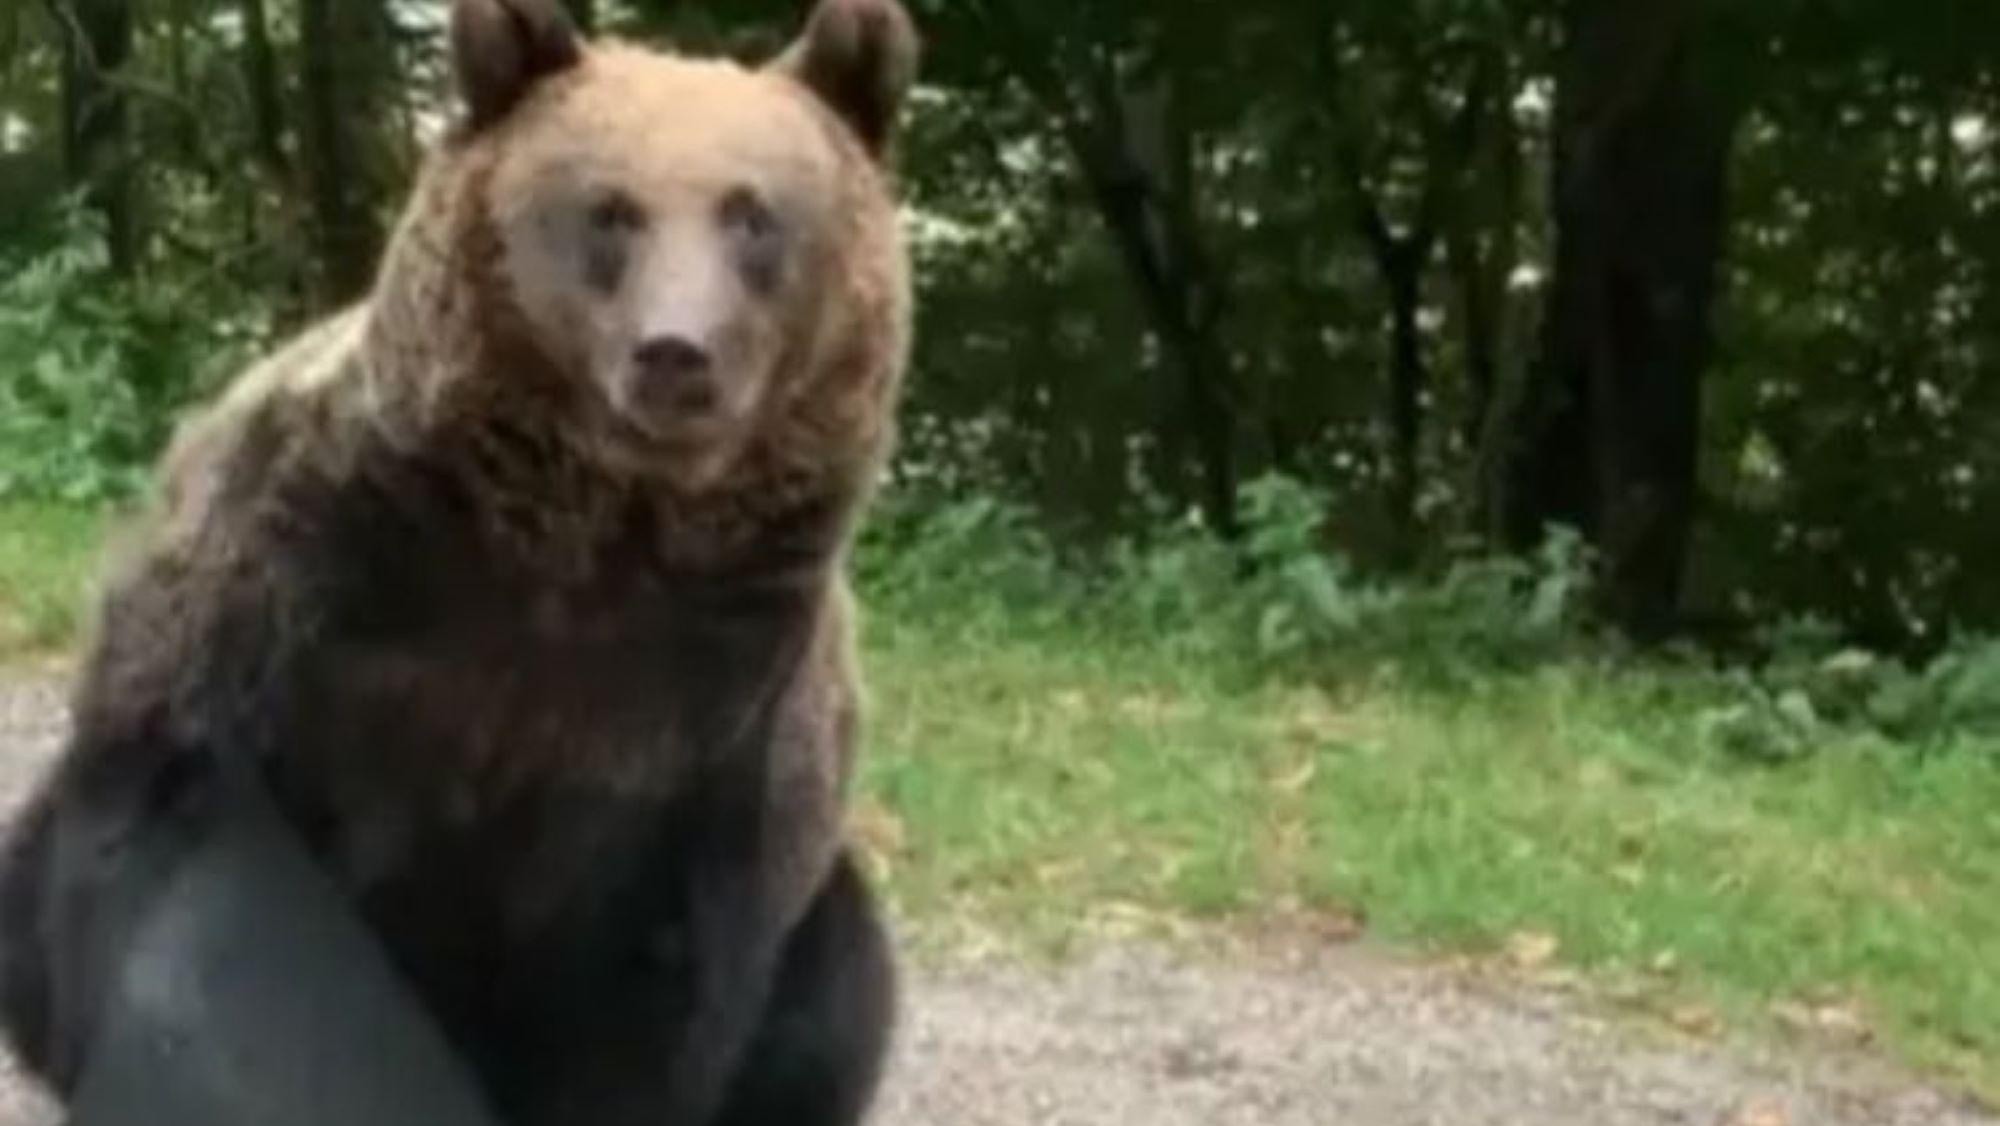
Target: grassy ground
[47, 558]
[1039, 778]
[1568, 815]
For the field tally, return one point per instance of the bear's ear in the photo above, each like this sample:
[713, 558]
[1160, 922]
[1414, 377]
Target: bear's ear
[501, 48]
[860, 57]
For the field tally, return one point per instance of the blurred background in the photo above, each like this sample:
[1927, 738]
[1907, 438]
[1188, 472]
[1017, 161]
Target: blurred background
[1711, 284]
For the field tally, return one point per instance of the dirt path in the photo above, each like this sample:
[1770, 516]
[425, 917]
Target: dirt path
[1135, 1036]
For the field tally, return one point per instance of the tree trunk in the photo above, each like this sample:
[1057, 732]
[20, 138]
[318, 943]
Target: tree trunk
[337, 70]
[1134, 149]
[1138, 163]
[187, 125]
[1402, 266]
[1612, 422]
[1473, 267]
[1401, 261]
[96, 40]
[267, 111]
[1210, 413]
[1484, 248]
[292, 233]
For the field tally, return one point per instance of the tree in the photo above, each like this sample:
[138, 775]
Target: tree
[267, 109]
[1457, 266]
[341, 48]
[1638, 182]
[96, 40]
[1121, 101]
[1414, 140]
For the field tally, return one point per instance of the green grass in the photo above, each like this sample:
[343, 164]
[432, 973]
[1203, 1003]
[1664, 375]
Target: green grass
[1038, 776]
[48, 555]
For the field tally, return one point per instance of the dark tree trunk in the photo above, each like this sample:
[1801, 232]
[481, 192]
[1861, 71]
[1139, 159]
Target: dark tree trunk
[1211, 413]
[340, 50]
[1484, 247]
[1401, 263]
[1473, 267]
[267, 111]
[1141, 174]
[293, 235]
[1134, 149]
[1612, 421]
[96, 38]
[187, 125]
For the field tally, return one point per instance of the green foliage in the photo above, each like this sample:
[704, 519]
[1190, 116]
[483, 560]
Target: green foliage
[1282, 602]
[1484, 613]
[1175, 726]
[1812, 693]
[92, 372]
[70, 426]
[1059, 770]
[47, 555]
[1279, 598]
[927, 553]
[1078, 174]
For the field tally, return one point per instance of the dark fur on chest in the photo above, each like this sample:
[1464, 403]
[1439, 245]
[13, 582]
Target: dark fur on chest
[626, 667]
[516, 774]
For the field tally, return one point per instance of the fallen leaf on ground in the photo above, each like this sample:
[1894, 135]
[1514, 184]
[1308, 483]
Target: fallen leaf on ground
[1696, 1020]
[1760, 1112]
[1297, 779]
[1841, 1021]
[1531, 950]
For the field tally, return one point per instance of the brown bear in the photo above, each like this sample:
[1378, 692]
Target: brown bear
[520, 587]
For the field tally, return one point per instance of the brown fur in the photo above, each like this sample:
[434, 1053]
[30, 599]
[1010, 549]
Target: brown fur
[420, 564]
[444, 353]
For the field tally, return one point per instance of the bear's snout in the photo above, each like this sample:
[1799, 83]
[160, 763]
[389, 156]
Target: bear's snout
[675, 369]
[672, 373]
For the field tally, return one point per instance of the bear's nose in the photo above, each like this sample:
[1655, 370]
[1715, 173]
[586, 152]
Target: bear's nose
[673, 373]
[672, 356]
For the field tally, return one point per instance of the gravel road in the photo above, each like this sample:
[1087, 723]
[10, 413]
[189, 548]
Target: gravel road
[1134, 1036]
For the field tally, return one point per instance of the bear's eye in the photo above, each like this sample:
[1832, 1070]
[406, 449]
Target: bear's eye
[758, 236]
[610, 217]
[614, 212]
[746, 214]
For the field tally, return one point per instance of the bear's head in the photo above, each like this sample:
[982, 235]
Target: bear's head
[695, 263]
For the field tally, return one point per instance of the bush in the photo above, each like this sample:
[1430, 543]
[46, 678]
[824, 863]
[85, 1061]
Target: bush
[1485, 613]
[92, 372]
[1812, 690]
[917, 549]
[1277, 601]
[1275, 598]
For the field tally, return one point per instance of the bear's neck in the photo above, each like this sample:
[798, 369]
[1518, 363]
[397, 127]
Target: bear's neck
[548, 504]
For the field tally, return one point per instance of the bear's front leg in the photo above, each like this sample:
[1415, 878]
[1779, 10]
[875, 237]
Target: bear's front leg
[826, 1033]
[661, 1044]
[734, 939]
